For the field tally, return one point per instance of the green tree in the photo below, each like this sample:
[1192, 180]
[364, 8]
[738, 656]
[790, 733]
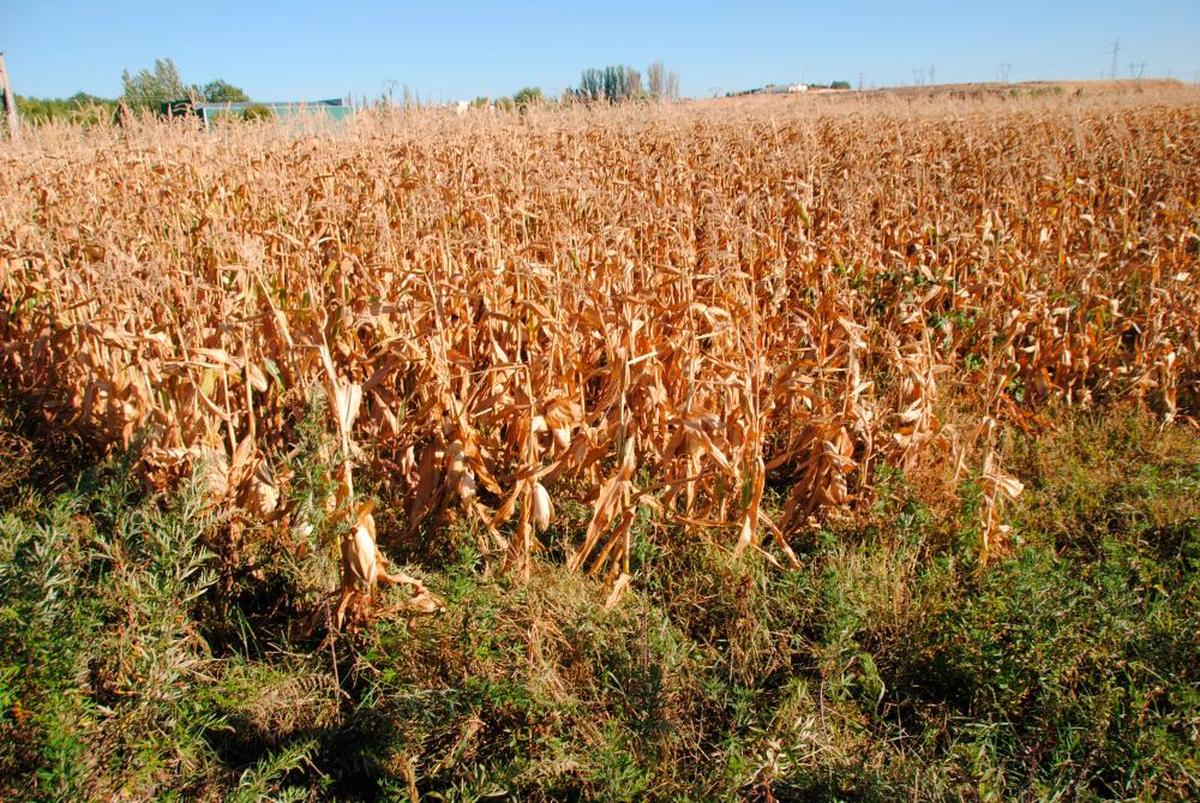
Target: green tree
[529, 96]
[257, 112]
[79, 108]
[591, 85]
[146, 89]
[617, 83]
[220, 91]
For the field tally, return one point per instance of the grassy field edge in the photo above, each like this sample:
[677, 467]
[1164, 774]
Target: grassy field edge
[143, 657]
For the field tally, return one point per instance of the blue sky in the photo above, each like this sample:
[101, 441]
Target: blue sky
[450, 50]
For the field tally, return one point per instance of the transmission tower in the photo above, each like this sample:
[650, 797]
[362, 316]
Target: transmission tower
[1116, 50]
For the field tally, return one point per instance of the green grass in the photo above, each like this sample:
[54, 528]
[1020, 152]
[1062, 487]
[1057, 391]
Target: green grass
[142, 658]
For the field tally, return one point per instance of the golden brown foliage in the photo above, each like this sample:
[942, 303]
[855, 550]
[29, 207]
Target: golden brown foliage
[662, 307]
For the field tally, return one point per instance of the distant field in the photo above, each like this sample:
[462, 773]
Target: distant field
[994, 90]
[775, 371]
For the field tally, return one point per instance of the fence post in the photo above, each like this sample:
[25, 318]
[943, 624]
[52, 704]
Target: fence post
[10, 102]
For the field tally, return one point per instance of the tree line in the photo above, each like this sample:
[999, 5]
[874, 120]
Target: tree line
[618, 83]
[147, 89]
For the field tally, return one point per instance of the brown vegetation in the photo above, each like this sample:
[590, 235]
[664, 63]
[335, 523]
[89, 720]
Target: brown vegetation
[670, 309]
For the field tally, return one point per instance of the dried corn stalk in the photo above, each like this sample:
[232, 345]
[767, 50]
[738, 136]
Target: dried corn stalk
[671, 309]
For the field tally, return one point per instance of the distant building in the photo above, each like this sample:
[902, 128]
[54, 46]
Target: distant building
[782, 89]
[334, 109]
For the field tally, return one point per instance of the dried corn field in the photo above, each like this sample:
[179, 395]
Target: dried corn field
[664, 310]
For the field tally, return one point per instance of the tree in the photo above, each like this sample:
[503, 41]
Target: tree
[257, 111]
[656, 81]
[220, 91]
[79, 108]
[621, 83]
[146, 89]
[661, 84]
[617, 83]
[633, 84]
[591, 85]
[529, 96]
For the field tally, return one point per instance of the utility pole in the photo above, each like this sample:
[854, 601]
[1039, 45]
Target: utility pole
[860, 80]
[1005, 68]
[10, 102]
[1115, 52]
[931, 81]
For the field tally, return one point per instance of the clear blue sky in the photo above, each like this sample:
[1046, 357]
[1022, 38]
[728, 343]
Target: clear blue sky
[450, 50]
